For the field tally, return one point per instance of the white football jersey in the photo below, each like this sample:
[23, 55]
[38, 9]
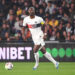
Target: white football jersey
[34, 24]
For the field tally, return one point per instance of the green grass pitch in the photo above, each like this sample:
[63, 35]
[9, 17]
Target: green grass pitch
[45, 68]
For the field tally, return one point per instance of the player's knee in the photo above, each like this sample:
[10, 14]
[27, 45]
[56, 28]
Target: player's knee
[43, 51]
[35, 50]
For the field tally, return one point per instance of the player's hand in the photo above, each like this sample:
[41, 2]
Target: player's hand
[45, 36]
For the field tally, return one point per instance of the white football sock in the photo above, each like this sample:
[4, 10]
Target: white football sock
[49, 57]
[36, 55]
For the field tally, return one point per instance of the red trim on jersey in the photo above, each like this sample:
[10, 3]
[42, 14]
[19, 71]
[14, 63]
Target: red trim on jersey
[29, 26]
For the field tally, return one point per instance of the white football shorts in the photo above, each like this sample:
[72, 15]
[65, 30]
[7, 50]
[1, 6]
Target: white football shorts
[38, 39]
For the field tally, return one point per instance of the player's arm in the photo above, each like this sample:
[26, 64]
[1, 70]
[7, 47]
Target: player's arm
[23, 29]
[23, 33]
[45, 28]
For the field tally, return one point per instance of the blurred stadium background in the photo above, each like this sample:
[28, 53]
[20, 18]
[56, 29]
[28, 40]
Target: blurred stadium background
[59, 15]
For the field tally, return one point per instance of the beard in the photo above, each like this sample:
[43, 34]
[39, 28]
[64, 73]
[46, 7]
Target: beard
[32, 14]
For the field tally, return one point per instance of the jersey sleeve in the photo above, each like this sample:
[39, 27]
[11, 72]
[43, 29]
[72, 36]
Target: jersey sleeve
[42, 21]
[24, 22]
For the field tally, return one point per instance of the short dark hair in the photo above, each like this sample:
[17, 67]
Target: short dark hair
[32, 8]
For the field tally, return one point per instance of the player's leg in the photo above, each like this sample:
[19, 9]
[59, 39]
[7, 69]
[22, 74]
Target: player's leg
[36, 56]
[49, 57]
